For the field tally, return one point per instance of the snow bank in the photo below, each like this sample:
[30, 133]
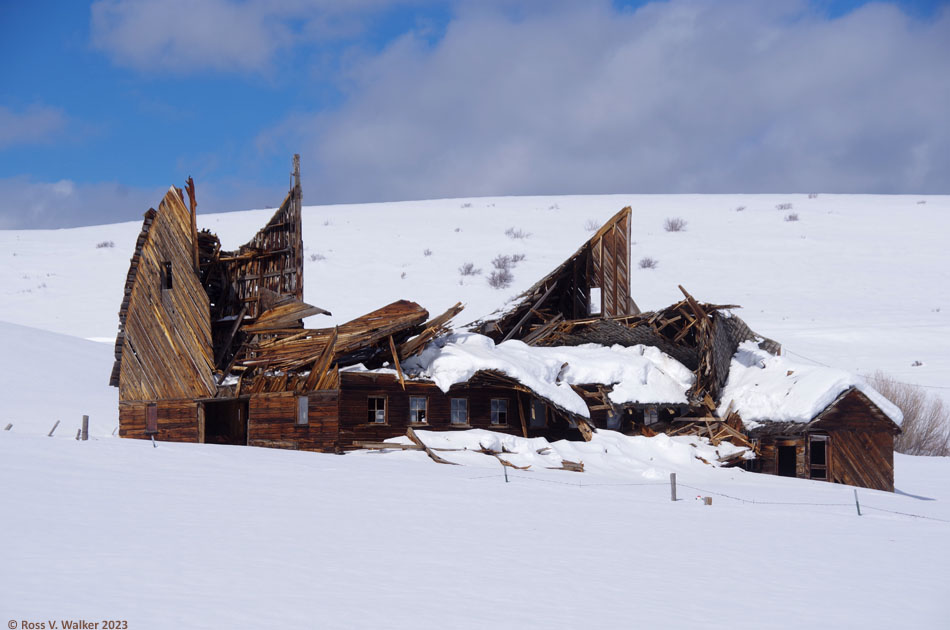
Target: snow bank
[607, 452]
[640, 374]
[762, 388]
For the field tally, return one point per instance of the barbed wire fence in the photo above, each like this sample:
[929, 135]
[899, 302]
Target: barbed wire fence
[516, 476]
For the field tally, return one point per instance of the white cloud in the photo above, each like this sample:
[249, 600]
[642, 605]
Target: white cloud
[223, 35]
[36, 124]
[677, 96]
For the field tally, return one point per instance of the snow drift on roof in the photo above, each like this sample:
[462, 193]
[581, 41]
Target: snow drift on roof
[640, 374]
[763, 387]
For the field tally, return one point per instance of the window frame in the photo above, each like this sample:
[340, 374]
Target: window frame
[302, 418]
[151, 418]
[374, 421]
[492, 412]
[452, 421]
[425, 410]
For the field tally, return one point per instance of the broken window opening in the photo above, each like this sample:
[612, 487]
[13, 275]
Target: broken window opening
[499, 411]
[417, 409]
[376, 409]
[167, 276]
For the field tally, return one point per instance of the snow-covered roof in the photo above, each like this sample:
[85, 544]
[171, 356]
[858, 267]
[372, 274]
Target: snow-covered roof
[762, 388]
[638, 374]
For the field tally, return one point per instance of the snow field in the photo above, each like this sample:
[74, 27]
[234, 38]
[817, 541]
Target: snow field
[204, 536]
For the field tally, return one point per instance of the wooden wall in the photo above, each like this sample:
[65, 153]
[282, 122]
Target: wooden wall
[609, 265]
[272, 421]
[166, 350]
[861, 442]
[273, 259]
[177, 420]
[358, 387]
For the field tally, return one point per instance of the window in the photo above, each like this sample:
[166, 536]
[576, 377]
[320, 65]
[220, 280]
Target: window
[417, 409]
[595, 299]
[818, 456]
[167, 276]
[499, 411]
[538, 414]
[460, 411]
[376, 409]
[303, 410]
[151, 418]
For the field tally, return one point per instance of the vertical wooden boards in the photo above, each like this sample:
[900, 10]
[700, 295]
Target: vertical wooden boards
[603, 262]
[166, 351]
[273, 259]
[610, 264]
[861, 442]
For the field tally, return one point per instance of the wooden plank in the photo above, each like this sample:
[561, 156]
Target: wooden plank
[412, 436]
[395, 355]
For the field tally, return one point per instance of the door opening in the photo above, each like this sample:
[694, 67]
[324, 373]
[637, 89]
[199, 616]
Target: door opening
[226, 422]
[787, 461]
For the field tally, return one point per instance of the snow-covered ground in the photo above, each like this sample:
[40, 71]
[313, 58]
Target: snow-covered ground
[202, 536]
[217, 536]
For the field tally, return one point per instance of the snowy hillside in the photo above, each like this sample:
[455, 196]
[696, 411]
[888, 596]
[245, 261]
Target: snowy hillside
[201, 536]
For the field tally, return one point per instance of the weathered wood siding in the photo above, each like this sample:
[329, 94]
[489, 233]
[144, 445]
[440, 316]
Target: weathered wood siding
[609, 265]
[861, 445]
[272, 421]
[177, 420]
[357, 388]
[278, 263]
[166, 351]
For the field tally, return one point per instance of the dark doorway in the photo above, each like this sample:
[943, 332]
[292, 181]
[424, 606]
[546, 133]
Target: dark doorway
[226, 422]
[787, 461]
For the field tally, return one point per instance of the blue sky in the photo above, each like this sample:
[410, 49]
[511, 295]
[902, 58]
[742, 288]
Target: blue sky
[105, 104]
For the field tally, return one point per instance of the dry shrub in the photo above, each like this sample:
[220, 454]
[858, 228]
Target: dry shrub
[516, 233]
[674, 224]
[500, 279]
[469, 269]
[648, 263]
[926, 426]
[791, 217]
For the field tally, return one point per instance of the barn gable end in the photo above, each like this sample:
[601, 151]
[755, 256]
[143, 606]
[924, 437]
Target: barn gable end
[166, 332]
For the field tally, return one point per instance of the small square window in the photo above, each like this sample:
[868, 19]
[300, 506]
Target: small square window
[376, 409]
[459, 411]
[417, 409]
[303, 410]
[499, 411]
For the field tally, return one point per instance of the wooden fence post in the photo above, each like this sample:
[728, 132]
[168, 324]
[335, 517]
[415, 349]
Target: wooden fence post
[53, 429]
[856, 503]
[85, 427]
[672, 486]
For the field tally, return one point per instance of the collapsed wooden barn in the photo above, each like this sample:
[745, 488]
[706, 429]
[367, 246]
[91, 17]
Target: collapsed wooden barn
[212, 348]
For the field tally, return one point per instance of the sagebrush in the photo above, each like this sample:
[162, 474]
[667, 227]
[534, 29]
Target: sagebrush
[500, 279]
[674, 224]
